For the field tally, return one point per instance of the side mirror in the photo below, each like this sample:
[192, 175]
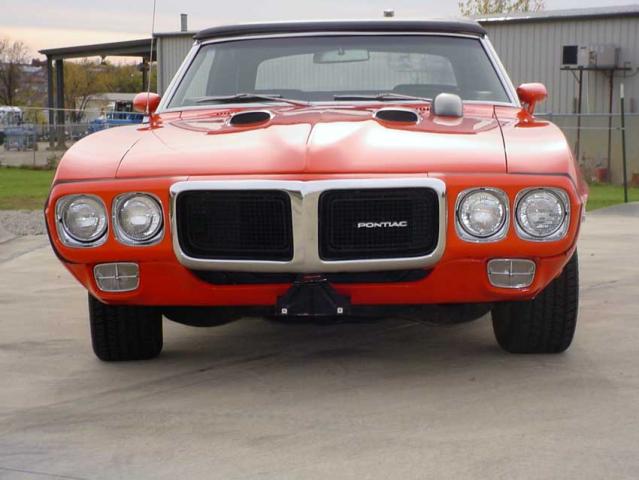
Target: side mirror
[448, 105]
[146, 102]
[531, 93]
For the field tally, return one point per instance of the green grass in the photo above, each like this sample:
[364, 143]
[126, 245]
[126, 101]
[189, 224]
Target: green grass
[23, 189]
[602, 195]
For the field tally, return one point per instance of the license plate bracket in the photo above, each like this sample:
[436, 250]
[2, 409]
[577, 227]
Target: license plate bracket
[312, 297]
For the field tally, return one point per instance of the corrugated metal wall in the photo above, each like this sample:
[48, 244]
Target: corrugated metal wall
[531, 52]
[171, 51]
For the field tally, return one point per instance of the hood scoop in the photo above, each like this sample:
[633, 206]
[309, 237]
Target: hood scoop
[397, 115]
[250, 118]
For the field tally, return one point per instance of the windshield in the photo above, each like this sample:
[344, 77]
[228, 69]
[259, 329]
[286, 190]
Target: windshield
[327, 68]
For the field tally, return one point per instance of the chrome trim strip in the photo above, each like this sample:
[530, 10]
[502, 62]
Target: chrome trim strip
[304, 208]
[177, 78]
[501, 72]
[336, 34]
[503, 229]
[561, 232]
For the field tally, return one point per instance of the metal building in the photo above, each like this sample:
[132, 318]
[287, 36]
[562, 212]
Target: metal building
[531, 47]
[171, 49]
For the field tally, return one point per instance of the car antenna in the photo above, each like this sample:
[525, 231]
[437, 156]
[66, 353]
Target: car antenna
[148, 80]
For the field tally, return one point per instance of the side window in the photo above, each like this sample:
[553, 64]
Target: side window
[382, 71]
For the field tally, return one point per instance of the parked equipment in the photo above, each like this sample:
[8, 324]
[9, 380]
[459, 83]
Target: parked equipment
[9, 116]
[21, 138]
[122, 114]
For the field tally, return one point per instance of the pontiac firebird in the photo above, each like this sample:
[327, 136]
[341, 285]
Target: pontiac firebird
[323, 170]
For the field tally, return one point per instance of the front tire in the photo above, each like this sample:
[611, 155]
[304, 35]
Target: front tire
[545, 324]
[123, 332]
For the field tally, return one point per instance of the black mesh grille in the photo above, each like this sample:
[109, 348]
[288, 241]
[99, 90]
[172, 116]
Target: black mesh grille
[235, 225]
[399, 223]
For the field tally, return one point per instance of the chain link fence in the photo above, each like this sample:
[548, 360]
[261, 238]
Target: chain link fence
[596, 139]
[28, 139]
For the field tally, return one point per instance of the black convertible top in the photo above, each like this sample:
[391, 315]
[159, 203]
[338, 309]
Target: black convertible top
[396, 26]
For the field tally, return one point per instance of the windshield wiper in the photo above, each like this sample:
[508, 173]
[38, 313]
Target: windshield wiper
[250, 97]
[380, 97]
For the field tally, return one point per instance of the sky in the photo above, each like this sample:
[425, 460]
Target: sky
[60, 23]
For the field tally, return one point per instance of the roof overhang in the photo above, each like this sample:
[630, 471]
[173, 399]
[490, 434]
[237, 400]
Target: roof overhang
[129, 48]
[561, 15]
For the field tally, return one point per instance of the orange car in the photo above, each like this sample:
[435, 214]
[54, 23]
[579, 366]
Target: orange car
[322, 170]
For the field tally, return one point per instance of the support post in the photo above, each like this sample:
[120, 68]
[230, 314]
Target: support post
[609, 164]
[50, 102]
[59, 84]
[623, 145]
[579, 95]
[146, 71]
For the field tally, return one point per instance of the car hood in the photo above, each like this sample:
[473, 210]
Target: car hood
[316, 140]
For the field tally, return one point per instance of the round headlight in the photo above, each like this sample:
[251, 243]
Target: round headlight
[83, 218]
[541, 213]
[138, 218]
[482, 213]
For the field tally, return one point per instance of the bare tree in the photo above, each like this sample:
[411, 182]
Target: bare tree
[472, 8]
[82, 80]
[12, 56]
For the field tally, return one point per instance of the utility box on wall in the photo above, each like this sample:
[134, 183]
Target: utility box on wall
[590, 56]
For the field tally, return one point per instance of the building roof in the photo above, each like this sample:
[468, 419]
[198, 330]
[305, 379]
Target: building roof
[129, 48]
[438, 26]
[557, 15]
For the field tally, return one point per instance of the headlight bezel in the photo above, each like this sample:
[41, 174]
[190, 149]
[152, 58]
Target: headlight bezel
[121, 235]
[65, 235]
[504, 226]
[560, 232]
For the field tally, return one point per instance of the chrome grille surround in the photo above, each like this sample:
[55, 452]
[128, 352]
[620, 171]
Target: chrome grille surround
[304, 208]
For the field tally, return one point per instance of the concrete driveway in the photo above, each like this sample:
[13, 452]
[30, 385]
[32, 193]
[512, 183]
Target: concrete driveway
[377, 401]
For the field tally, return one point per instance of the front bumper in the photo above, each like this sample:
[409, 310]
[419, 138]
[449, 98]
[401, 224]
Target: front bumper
[458, 276]
[452, 281]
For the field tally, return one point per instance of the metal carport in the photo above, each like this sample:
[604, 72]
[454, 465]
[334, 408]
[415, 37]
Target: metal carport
[130, 48]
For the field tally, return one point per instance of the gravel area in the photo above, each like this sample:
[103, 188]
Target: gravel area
[23, 222]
